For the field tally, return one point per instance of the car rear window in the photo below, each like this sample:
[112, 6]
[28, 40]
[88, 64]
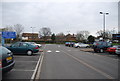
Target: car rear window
[102, 43]
[4, 50]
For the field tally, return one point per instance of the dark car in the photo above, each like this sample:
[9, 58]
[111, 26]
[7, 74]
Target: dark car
[23, 48]
[70, 44]
[6, 60]
[67, 43]
[101, 46]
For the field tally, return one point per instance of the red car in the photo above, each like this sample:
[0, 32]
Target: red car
[112, 49]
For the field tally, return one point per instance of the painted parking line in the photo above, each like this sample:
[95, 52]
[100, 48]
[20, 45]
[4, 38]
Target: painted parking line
[21, 70]
[26, 61]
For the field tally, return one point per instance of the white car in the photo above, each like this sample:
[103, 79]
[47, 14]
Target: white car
[39, 45]
[81, 45]
[117, 51]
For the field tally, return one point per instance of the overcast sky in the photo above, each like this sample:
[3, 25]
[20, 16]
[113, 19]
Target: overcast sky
[60, 16]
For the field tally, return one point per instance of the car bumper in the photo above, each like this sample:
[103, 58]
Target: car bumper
[8, 68]
[35, 51]
[117, 52]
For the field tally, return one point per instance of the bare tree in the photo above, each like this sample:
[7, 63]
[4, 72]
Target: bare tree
[60, 34]
[44, 32]
[18, 28]
[79, 36]
[108, 34]
[9, 28]
[82, 35]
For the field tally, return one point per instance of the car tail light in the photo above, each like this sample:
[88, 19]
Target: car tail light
[97, 44]
[0, 64]
[37, 47]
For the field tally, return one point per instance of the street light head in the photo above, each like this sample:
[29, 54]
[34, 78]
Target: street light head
[106, 13]
[101, 12]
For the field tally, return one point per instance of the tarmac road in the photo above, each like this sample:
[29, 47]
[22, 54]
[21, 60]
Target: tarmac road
[61, 62]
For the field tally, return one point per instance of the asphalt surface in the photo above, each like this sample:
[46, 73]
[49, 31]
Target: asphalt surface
[24, 67]
[61, 62]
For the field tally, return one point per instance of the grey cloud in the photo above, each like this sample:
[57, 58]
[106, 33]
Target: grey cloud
[60, 17]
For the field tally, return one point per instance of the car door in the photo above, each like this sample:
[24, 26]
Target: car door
[23, 48]
[14, 48]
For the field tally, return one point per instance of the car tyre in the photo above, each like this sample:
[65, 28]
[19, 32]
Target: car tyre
[101, 50]
[29, 52]
[95, 51]
[87, 46]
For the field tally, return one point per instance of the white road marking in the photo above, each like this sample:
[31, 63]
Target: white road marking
[57, 51]
[26, 61]
[58, 45]
[49, 51]
[36, 68]
[21, 70]
[40, 66]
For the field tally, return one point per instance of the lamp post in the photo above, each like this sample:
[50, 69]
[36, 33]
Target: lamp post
[32, 32]
[104, 23]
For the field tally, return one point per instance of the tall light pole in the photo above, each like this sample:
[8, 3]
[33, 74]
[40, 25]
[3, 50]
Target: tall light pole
[104, 23]
[32, 32]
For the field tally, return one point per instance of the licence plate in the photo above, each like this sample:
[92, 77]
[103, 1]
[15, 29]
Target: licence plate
[9, 58]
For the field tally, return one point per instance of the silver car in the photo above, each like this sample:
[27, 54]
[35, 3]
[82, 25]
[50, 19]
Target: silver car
[118, 50]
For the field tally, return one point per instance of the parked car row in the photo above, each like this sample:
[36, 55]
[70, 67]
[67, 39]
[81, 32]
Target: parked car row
[6, 54]
[98, 46]
[77, 45]
[104, 46]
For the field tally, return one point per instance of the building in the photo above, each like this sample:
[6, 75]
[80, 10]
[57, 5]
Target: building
[70, 37]
[30, 37]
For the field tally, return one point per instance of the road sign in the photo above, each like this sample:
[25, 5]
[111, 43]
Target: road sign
[116, 36]
[8, 35]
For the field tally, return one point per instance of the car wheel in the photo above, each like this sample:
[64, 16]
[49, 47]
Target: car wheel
[87, 46]
[95, 51]
[29, 52]
[110, 52]
[101, 50]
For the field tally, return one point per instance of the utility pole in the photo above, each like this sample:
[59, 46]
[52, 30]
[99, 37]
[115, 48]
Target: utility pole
[104, 23]
[32, 33]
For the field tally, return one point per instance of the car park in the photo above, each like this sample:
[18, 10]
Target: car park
[81, 45]
[101, 46]
[117, 50]
[39, 45]
[23, 48]
[6, 60]
[112, 49]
